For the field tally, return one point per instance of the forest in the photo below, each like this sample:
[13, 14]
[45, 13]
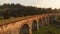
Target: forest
[17, 10]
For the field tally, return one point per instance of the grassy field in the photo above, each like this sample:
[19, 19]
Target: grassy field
[47, 30]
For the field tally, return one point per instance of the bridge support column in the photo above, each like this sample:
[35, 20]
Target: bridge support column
[48, 20]
[42, 21]
[56, 17]
[30, 28]
[37, 25]
[17, 32]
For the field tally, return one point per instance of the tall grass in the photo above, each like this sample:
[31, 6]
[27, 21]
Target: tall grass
[47, 30]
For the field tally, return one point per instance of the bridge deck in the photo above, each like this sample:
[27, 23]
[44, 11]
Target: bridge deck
[8, 21]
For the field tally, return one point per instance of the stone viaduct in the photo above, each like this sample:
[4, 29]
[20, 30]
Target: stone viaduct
[27, 25]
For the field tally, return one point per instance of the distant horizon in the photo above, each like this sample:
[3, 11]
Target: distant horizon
[35, 3]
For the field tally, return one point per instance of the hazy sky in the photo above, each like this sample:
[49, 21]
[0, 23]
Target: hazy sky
[37, 3]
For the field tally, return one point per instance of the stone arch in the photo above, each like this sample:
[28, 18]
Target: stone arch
[44, 20]
[24, 29]
[40, 22]
[52, 19]
[34, 25]
[47, 20]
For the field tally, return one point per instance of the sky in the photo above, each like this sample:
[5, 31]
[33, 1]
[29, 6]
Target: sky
[36, 3]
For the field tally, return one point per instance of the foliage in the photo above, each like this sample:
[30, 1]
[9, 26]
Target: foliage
[17, 10]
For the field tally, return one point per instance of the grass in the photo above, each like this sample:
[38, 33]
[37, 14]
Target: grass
[47, 30]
